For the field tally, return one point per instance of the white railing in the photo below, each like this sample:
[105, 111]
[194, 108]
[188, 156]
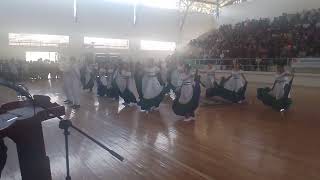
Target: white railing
[301, 65]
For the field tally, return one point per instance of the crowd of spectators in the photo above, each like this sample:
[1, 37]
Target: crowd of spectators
[20, 70]
[286, 36]
[260, 41]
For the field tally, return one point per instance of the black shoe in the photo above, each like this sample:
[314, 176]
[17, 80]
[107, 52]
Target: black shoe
[67, 102]
[75, 106]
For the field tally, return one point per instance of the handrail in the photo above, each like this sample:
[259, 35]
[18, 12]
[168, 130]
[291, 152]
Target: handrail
[254, 64]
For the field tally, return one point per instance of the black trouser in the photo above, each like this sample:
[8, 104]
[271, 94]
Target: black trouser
[263, 94]
[3, 155]
[220, 91]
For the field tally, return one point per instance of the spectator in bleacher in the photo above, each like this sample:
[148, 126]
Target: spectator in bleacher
[289, 35]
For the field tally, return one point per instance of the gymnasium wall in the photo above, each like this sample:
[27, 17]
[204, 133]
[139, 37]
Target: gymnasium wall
[96, 18]
[264, 8]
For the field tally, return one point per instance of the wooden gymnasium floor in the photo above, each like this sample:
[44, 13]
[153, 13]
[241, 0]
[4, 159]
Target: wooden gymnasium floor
[226, 142]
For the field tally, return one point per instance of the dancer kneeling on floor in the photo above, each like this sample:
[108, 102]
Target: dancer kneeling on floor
[210, 80]
[278, 97]
[174, 79]
[104, 81]
[87, 76]
[125, 84]
[138, 75]
[232, 88]
[152, 91]
[187, 100]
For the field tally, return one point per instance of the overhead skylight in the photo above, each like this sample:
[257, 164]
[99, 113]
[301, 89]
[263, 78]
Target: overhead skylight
[45, 56]
[37, 40]
[106, 43]
[157, 45]
[166, 4]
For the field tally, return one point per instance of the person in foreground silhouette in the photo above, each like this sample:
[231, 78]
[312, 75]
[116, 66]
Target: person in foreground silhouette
[3, 155]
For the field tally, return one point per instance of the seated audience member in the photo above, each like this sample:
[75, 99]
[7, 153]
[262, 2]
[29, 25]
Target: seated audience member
[290, 35]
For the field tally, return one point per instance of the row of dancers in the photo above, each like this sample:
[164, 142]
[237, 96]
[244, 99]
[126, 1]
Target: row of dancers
[147, 84]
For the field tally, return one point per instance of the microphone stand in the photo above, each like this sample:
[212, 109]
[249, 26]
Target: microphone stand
[65, 124]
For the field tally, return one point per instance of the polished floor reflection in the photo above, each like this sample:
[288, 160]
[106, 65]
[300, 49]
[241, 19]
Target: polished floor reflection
[226, 142]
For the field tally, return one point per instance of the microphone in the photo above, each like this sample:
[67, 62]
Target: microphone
[16, 87]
